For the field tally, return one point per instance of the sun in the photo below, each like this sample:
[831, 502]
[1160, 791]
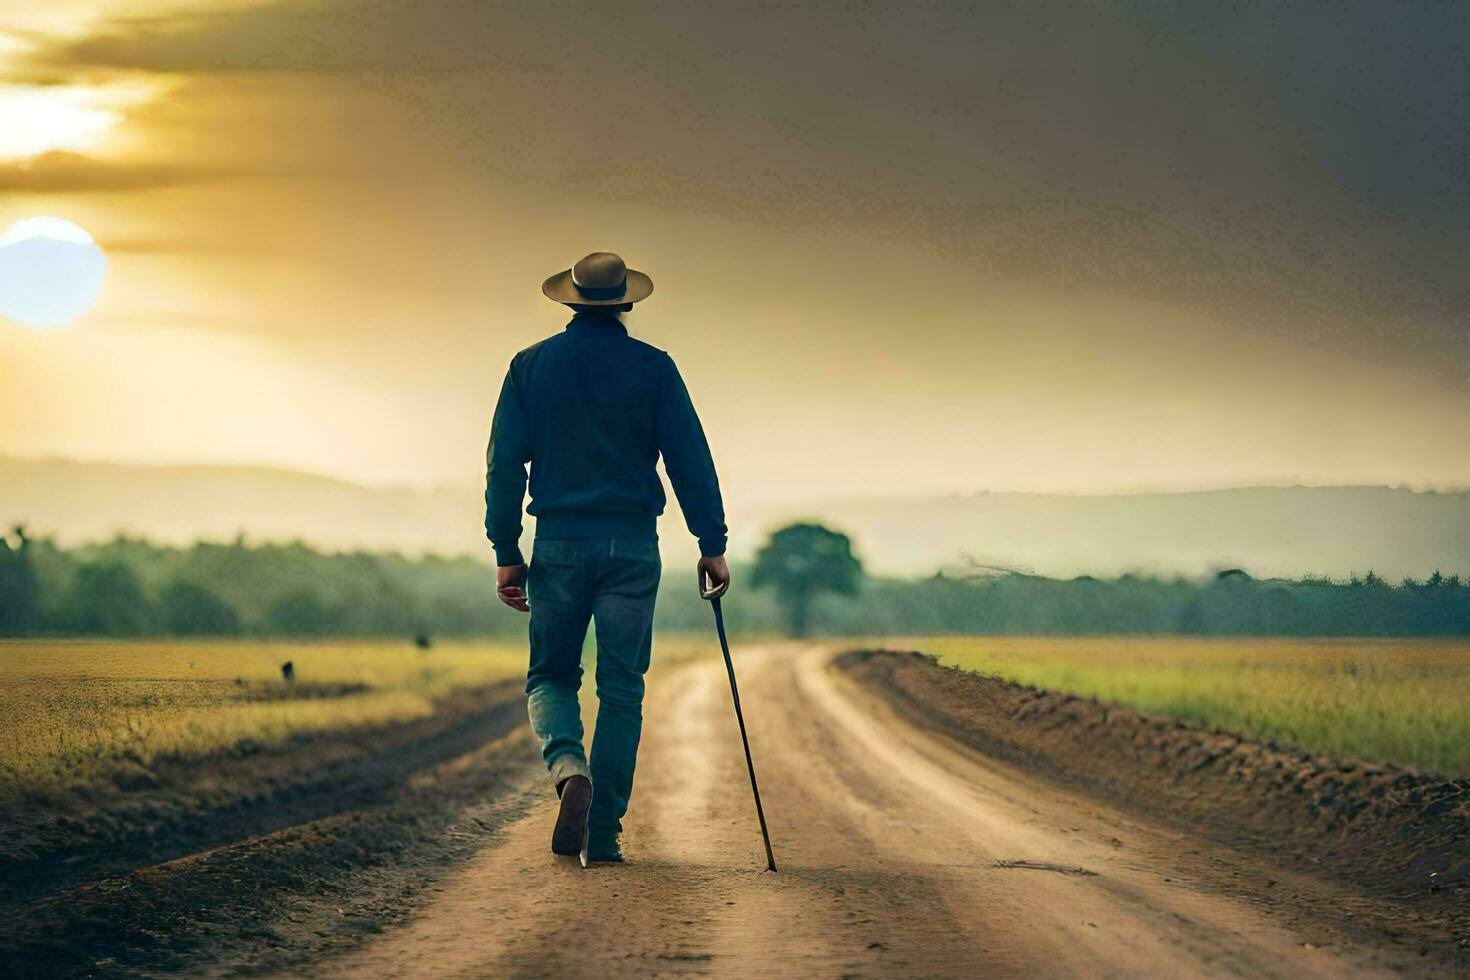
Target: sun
[35, 119]
[51, 273]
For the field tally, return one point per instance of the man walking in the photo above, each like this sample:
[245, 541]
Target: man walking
[591, 410]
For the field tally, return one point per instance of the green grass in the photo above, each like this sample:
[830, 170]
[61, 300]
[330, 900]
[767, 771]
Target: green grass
[1403, 701]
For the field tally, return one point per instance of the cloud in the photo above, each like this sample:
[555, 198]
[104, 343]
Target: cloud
[331, 36]
[63, 172]
[1303, 172]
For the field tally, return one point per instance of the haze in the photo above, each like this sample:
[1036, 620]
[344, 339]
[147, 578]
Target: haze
[899, 248]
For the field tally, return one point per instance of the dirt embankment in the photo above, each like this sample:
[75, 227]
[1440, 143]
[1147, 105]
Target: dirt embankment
[1393, 833]
[258, 857]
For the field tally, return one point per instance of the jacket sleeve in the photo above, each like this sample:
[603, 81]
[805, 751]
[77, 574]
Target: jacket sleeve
[505, 473]
[688, 462]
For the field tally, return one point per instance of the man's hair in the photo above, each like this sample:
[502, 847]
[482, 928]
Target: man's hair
[602, 310]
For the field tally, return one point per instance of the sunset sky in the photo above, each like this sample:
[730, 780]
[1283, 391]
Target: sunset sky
[898, 248]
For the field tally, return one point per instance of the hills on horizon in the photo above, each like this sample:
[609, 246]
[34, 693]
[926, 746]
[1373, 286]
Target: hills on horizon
[1269, 531]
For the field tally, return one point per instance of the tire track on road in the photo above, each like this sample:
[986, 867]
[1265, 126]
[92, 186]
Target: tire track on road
[902, 854]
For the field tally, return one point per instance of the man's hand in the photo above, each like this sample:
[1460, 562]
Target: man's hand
[510, 585]
[714, 577]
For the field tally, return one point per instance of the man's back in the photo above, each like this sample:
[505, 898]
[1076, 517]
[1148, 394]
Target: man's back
[591, 396]
[591, 410]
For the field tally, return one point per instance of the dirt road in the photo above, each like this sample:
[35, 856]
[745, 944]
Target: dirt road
[901, 853]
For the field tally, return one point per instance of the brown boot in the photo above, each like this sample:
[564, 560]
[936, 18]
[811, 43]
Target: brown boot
[571, 822]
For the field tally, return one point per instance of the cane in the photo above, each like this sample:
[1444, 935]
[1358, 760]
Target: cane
[713, 595]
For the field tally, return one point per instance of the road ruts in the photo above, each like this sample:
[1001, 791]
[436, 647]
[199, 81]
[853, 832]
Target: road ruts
[901, 854]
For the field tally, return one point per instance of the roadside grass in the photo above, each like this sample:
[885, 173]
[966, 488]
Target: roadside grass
[1383, 700]
[73, 711]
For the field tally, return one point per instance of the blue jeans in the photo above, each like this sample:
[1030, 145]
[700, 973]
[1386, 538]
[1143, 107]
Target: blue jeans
[614, 583]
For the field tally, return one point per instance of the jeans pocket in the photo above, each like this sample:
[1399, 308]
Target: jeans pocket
[635, 578]
[547, 579]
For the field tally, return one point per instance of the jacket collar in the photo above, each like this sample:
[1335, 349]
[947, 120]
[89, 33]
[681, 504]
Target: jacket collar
[591, 321]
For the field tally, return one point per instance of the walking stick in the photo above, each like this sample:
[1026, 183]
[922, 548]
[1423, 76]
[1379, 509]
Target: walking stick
[714, 598]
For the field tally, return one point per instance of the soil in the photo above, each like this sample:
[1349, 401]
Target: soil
[259, 857]
[1394, 834]
[903, 851]
[926, 823]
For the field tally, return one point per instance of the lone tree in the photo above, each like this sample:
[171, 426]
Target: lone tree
[800, 562]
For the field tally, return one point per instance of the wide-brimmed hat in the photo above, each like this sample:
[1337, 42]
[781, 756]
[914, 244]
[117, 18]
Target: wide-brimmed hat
[599, 279]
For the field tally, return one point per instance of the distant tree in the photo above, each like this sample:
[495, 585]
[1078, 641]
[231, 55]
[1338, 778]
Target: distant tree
[298, 613]
[106, 597]
[20, 606]
[190, 609]
[801, 561]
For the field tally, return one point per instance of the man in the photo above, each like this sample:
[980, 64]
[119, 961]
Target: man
[591, 410]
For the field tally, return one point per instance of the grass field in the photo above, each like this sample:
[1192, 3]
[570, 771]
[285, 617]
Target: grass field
[73, 709]
[1404, 701]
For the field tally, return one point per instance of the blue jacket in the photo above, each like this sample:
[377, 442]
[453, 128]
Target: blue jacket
[591, 410]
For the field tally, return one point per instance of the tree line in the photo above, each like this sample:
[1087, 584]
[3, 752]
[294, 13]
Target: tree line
[804, 580]
[131, 587]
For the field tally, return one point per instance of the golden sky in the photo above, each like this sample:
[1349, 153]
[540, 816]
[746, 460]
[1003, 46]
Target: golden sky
[898, 248]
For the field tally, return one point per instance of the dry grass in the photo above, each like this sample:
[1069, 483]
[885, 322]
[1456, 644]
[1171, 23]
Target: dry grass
[1404, 701]
[74, 707]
